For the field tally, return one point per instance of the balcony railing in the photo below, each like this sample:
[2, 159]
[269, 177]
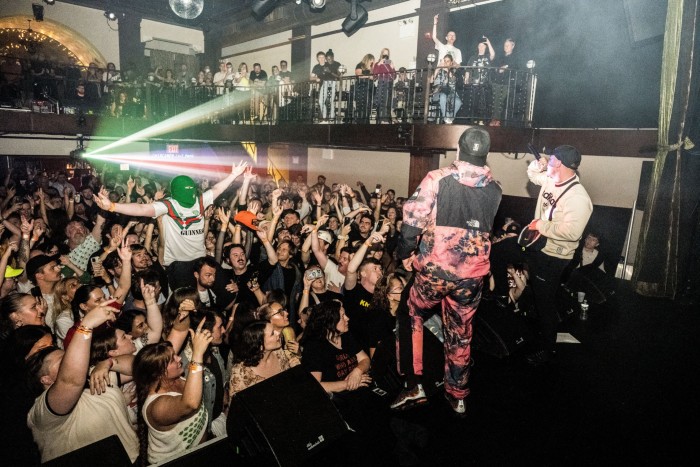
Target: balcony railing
[465, 95]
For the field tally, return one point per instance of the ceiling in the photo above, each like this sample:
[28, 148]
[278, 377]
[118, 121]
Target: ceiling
[233, 18]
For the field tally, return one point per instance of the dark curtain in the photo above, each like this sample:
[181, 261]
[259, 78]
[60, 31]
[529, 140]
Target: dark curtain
[665, 261]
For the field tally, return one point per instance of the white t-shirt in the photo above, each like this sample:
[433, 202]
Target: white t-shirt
[94, 417]
[445, 49]
[184, 241]
[334, 279]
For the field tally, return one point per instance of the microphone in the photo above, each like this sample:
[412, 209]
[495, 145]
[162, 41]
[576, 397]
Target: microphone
[534, 151]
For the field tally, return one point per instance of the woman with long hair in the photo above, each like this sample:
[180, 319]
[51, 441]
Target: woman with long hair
[340, 365]
[384, 73]
[385, 302]
[363, 95]
[171, 416]
[277, 315]
[62, 313]
[178, 307]
[330, 352]
[258, 355]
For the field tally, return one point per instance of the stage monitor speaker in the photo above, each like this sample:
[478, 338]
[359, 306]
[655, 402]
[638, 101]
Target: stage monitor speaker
[107, 452]
[284, 420]
[597, 285]
[498, 331]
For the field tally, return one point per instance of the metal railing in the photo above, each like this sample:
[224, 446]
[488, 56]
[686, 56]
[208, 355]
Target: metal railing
[466, 95]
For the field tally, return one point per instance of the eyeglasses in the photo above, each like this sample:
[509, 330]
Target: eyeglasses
[277, 312]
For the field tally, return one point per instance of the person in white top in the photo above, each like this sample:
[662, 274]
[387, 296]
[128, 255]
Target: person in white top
[66, 416]
[183, 223]
[449, 47]
[170, 407]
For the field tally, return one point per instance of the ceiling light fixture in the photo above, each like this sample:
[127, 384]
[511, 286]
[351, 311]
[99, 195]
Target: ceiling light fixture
[356, 19]
[262, 8]
[317, 4]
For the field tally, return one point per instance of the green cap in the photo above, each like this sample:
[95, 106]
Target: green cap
[184, 190]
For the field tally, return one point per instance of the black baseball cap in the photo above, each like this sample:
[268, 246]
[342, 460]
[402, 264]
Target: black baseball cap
[568, 155]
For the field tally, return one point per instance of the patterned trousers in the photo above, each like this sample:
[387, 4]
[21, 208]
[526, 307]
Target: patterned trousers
[459, 301]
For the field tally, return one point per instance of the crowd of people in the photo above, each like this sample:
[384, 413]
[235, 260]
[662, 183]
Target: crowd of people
[486, 88]
[139, 305]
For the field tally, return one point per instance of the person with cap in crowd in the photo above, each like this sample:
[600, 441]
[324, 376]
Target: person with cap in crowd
[8, 281]
[183, 222]
[45, 272]
[561, 214]
[452, 213]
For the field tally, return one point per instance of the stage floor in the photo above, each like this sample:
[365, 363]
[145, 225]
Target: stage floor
[627, 394]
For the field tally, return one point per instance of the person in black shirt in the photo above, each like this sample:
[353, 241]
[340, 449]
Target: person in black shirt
[501, 88]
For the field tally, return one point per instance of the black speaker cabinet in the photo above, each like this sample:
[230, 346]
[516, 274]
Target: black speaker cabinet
[107, 452]
[284, 420]
[217, 451]
[498, 331]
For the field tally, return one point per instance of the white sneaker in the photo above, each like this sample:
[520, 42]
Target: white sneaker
[457, 405]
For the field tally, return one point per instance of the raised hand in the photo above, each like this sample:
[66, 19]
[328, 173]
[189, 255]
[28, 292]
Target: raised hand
[27, 225]
[185, 308]
[321, 221]
[317, 196]
[223, 215]
[248, 173]
[124, 252]
[201, 338]
[102, 199]
[239, 168]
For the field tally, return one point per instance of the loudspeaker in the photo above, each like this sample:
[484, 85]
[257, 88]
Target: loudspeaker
[38, 11]
[217, 451]
[387, 381]
[284, 420]
[108, 452]
[596, 284]
[498, 331]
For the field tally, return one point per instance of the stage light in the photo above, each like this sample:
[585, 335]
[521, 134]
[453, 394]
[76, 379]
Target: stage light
[110, 15]
[49, 2]
[356, 19]
[187, 9]
[431, 58]
[38, 11]
[530, 64]
[262, 8]
[317, 4]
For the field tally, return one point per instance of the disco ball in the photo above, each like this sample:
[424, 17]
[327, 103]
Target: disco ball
[187, 9]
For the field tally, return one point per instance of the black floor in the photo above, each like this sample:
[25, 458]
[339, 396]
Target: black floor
[628, 394]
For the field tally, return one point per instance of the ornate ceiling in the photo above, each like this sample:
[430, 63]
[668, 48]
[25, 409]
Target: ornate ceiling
[233, 18]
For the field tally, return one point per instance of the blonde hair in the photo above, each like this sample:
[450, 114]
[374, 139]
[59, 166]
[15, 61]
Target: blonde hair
[366, 60]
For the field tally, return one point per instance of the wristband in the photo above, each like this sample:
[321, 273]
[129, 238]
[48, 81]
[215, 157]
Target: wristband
[26, 237]
[112, 207]
[85, 331]
[196, 367]
[306, 291]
